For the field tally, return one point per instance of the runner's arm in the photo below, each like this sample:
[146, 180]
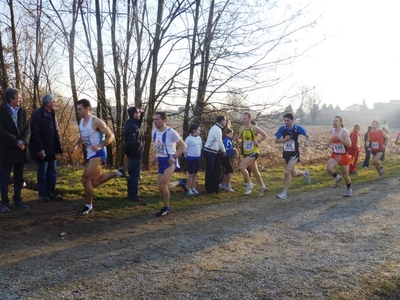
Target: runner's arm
[101, 126]
[259, 131]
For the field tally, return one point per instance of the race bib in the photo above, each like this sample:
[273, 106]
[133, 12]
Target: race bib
[289, 146]
[160, 148]
[374, 145]
[86, 140]
[248, 145]
[338, 148]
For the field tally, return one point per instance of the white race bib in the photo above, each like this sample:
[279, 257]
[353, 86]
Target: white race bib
[289, 146]
[339, 148]
[86, 140]
[160, 148]
[248, 145]
[374, 145]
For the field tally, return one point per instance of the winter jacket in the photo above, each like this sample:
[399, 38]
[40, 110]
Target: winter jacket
[133, 139]
[10, 153]
[44, 135]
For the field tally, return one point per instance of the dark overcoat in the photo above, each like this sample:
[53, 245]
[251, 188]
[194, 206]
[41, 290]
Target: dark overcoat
[43, 137]
[10, 153]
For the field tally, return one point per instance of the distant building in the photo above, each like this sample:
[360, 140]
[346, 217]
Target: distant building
[354, 107]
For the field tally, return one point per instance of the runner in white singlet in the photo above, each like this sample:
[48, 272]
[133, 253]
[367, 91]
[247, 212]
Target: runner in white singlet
[95, 135]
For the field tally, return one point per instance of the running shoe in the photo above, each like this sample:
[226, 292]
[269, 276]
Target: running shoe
[381, 172]
[5, 208]
[221, 186]
[337, 180]
[348, 192]
[262, 191]
[249, 188]
[190, 192]
[307, 176]
[124, 172]
[229, 188]
[182, 184]
[163, 212]
[196, 192]
[20, 204]
[251, 184]
[282, 196]
[86, 210]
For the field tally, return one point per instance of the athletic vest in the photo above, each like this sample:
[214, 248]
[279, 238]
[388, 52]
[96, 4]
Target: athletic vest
[248, 138]
[377, 140]
[293, 144]
[337, 146]
[90, 136]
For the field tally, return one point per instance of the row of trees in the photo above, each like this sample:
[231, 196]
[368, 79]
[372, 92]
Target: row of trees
[150, 54]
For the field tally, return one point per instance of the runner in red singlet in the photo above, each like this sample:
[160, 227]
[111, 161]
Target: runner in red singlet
[377, 141]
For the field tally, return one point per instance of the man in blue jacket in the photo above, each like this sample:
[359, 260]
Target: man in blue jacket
[44, 145]
[14, 136]
[133, 139]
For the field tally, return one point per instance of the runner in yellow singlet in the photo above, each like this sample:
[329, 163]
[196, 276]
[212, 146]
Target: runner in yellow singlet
[248, 135]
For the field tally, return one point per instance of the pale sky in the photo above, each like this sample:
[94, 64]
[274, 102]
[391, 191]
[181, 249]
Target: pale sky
[361, 57]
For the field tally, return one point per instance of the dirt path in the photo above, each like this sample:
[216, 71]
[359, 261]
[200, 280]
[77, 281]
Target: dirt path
[314, 245]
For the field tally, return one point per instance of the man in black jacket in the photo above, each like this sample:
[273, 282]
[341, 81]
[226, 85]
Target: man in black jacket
[133, 149]
[14, 136]
[44, 145]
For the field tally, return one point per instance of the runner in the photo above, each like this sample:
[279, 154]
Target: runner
[248, 134]
[355, 148]
[95, 135]
[339, 142]
[168, 146]
[377, 142]
[289, 136]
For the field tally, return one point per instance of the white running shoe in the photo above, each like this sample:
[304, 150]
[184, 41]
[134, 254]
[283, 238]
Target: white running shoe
[337, 180]
[282, 196]
[196, 192]
[262, 191]
[252, 184]
[348, 193]
[229, 188]
[307, 176]
[249, 188]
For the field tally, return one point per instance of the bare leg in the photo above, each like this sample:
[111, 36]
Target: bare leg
[93, 169]
[164, 183]
[247, 161]
[289, 171]
[257, 175]
[345, 174]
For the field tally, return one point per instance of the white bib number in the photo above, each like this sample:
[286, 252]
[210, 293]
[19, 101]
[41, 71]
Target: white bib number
[374, 145]
[160, 148]
[339, 148]
[248, 145]
[289, 146]
[86, 140]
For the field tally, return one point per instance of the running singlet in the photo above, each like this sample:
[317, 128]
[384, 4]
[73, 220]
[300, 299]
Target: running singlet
[377, 140]
[165, 142]
[293, 144]
[337, 146]
[248, 137]
[90, 137]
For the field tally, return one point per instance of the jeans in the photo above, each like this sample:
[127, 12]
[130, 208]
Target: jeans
[46, 177]
[5, 171]
[134, 166]
[367, 157]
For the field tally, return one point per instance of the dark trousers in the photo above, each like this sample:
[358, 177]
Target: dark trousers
[5, 172]
[213, 171]
[367, 157]
[134, 165]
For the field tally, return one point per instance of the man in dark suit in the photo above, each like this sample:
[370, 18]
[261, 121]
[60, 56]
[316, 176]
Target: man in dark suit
[14, 136]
